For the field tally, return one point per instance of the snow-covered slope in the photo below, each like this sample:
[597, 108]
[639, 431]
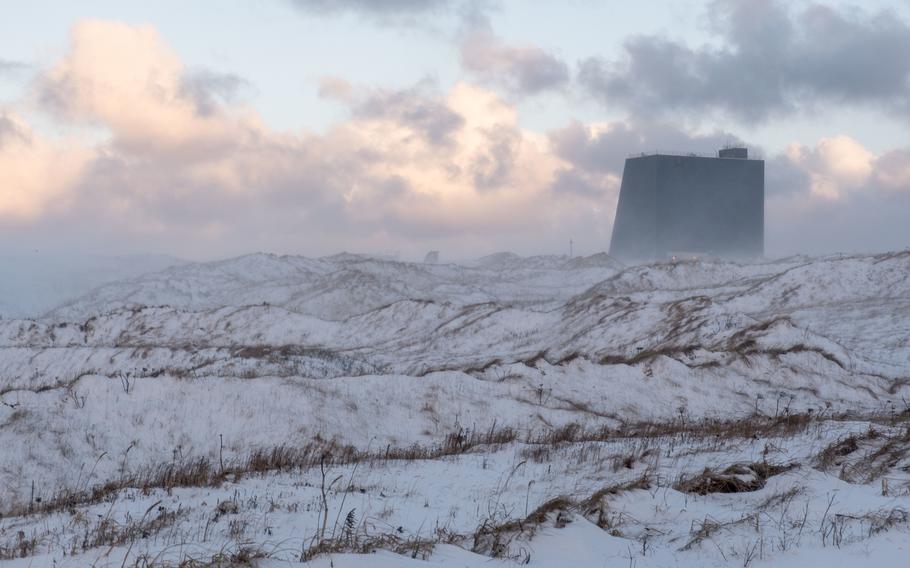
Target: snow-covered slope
[213, 361]
[337, 287]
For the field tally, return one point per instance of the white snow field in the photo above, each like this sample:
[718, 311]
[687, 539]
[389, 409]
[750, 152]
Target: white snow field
[546, 411]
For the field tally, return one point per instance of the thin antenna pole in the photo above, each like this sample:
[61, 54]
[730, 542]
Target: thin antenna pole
[570, 248]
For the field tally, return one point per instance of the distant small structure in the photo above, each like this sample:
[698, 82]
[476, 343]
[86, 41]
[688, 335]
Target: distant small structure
[734, 152]
[702, 205]
[432, 257]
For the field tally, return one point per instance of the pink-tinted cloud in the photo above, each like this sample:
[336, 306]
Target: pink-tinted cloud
[835, 165]
[180, 166]
[843, 197]
[126, 79]
[442, 167]
[34, 172]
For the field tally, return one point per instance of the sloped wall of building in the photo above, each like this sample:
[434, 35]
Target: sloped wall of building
[635, 227]
[683, 204]
[711, 206]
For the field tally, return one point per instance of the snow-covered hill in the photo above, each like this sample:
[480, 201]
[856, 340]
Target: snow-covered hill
[214, 361]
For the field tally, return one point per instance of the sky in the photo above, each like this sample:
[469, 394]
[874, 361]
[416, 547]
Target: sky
[211, 129]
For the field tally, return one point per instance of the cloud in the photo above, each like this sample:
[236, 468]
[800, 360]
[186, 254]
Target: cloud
[419, 109]
[408, 13]
[840, 197]
[35, 173]
[839, 167]
[492, 166]
[892, 170]
[862, 221]
[389, 12]
[126, 79]
[177, 163]
[12, 130]
[9, 67]
[183, 166]
[578, 182]
[520, 70]
[336, 88]
[373, 6]
[771, 58]
[785, 178]
[835, 165]
[206, 87]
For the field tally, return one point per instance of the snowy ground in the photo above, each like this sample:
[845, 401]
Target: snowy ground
[364, 412]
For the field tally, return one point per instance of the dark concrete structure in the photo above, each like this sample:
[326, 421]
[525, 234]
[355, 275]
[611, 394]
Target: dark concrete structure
[685, 205]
